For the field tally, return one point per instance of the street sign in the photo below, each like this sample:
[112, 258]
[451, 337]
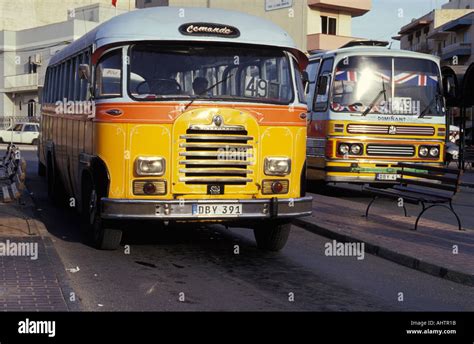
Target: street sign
[271, 5]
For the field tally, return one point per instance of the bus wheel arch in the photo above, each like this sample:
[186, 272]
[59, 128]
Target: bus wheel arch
[94, 186]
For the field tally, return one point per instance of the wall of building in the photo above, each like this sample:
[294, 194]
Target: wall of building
[24, 14]
[437, 17]
[151, 3]
[20, 81]
[459, 4]
[293, 20]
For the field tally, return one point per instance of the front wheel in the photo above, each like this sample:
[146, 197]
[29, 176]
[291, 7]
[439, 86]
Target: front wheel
[272, 236]
[95, 228]
[56, 192]
[41, 169]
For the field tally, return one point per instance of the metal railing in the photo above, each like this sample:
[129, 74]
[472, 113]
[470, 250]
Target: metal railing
[8, 121]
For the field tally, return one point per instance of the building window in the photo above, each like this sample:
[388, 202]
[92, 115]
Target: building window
[418, 36]
[31, 65]
[328, 25]
[31, 108]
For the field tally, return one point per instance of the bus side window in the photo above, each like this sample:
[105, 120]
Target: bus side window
[108, 77]
[47, 86]
[312, 71]
[321, 96]
[84, 84]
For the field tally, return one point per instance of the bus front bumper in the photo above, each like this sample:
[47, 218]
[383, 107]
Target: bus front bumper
[185, 209]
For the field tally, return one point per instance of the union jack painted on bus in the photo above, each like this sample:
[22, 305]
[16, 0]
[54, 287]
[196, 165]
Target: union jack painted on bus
[409, 79]
[415, 79]
[346, 75]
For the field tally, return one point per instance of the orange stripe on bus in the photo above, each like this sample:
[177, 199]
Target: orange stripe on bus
[167, 113]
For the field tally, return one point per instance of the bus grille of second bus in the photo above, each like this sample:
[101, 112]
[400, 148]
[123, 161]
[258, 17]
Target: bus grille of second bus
[392, 130]
[214, 156]
[390, 150]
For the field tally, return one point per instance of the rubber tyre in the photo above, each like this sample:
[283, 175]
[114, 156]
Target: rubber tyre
[41, 169]
[56, 193]
[316, 186]
[94, 227]
[34, 142]
[271, 236]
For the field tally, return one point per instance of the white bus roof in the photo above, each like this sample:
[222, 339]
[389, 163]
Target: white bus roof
[374, 51]
[163, 23]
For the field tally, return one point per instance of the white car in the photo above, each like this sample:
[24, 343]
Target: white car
[21, 133]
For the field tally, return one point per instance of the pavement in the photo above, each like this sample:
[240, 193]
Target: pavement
[437, 247]
[32, 279]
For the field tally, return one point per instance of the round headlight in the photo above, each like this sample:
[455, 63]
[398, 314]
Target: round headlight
[423, 151]
[355, 149]
[343, 148]
[434, 151]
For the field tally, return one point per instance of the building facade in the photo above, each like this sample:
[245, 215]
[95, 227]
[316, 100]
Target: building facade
[25, 53]
[313, 24]
[447, 32]
[443, 32]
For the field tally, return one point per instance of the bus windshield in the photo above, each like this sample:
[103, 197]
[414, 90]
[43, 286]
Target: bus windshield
[391, 85]
[241, 73]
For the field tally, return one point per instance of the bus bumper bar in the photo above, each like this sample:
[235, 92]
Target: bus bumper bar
[114, 209]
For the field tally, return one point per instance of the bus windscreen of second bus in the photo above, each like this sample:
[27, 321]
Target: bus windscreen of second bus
[406, 86]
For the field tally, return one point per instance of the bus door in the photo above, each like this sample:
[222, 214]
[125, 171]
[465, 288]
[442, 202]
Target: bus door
[318, 120]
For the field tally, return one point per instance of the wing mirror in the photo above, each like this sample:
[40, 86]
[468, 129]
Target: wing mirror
[84, 71]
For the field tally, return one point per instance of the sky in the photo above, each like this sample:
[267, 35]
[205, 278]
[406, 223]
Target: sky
[387, 17]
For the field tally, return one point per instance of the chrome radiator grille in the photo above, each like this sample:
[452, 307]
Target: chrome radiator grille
[390, 150]
[390, 129]
[210, 156]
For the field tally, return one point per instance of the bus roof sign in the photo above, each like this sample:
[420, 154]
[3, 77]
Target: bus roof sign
[208, 29]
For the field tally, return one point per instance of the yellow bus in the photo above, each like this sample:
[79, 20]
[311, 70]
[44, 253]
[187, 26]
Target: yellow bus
[178, 115]
[370, 108]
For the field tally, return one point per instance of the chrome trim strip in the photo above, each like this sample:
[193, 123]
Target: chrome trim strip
[205, 137]
[214, 145]
[211, 153]
[224, 128]
[208, 171]
[215, 162]
[214, 180]
[182, 209]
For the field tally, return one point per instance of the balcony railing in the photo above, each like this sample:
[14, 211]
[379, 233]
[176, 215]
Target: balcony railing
[456, 49]
[422, 47]
[320, 41]
[21, 82]
[356, 8]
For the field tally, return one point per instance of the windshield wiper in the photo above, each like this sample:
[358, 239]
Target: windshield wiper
[199, 95]
[376, 99]
[425, 110]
